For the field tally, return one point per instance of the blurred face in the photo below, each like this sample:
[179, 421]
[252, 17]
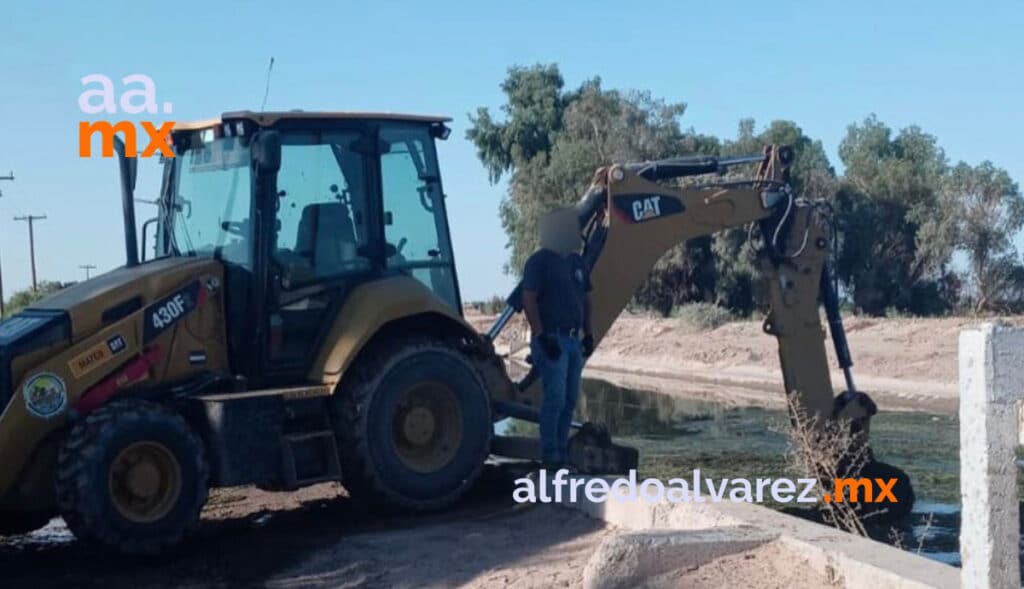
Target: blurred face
[560, 232]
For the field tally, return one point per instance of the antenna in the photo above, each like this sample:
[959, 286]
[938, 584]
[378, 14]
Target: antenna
[266, 91]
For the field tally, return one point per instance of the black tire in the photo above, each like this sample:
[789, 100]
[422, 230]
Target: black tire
[367, 412]
[85, 471]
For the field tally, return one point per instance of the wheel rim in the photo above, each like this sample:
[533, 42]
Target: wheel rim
[145, 482]
[427, 426]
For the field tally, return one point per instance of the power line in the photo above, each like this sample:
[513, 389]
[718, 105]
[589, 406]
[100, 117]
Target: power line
[31, 219]
[87, 268]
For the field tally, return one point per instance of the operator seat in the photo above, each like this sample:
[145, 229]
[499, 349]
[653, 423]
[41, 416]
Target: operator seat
[327, 237]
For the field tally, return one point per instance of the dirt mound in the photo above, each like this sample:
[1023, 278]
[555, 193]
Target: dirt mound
[769, 566]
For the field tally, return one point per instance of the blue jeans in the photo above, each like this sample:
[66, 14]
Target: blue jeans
[561, 382]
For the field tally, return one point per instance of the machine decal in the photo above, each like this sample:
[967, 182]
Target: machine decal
[198, 357]
[637, 208]
[166, 312]
[90, 360]
[96, 356]
[45, 395]
[133, 372]
[116, 344]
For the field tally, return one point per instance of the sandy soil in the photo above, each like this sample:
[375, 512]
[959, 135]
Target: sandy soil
[768, 566]
[905, 364]
[317, 537]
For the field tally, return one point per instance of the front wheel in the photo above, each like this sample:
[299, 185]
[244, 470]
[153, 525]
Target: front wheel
[413, 424]
[132, 476]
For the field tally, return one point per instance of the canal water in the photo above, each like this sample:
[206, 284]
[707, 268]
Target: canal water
[676, 436]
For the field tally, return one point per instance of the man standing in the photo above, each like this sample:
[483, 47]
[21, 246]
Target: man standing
[556, 299]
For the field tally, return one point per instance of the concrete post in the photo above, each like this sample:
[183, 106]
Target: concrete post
[991, 383]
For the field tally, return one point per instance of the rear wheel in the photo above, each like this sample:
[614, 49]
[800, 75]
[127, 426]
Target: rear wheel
[132, 476]
[414, 426]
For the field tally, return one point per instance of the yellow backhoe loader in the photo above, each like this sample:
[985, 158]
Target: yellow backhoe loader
[293, 316]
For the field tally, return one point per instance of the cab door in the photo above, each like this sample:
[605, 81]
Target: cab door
[415, 219]
[320, 246]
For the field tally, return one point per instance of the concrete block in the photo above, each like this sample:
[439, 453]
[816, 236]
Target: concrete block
[626, 560]
[991, 385]
[856, 561]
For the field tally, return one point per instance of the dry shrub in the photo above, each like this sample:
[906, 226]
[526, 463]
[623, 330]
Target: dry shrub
[702, 316]
[825, 451]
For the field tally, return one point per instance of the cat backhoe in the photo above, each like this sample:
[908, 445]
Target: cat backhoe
[292, 316]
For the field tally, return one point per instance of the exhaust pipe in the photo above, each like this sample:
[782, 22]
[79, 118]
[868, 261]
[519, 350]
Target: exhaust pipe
[129, 168]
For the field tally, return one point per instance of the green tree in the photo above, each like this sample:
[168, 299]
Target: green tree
[897, 241]
[901, 210]
[989, 211]
[25, 298]
[533, 118]
[686, 273]
[550, 141]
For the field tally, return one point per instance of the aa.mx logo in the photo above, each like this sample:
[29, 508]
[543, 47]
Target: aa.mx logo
[138, 96]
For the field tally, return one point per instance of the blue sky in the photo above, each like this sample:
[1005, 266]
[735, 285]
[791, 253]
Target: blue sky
[951, 67]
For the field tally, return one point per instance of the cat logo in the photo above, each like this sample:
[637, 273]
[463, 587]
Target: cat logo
[647, 208]
[639, 208]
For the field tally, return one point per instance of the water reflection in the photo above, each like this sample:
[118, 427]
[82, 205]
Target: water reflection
[676, 436]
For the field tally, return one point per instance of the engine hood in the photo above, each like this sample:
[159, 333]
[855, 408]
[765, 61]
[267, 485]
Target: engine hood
[113, 295]
[82, 309]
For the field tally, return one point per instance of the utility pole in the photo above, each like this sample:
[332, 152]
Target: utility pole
[87, 267]
[31, 219]
[11, 178]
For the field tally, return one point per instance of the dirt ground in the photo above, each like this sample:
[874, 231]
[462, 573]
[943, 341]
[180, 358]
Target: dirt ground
[317, 537]
[905, 364]
[766, 566]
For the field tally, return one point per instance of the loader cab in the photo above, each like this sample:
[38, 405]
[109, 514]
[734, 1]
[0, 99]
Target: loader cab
[302, 208]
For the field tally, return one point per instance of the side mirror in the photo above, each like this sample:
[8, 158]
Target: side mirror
[266, 152]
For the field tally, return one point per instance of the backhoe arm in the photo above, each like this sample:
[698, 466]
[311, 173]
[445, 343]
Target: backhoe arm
[629, 221]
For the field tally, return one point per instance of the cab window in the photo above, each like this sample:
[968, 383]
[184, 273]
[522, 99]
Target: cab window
[322, 225]
[209, 213]
[415, 225]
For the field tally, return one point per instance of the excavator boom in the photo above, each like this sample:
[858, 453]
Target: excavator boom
[630, 217]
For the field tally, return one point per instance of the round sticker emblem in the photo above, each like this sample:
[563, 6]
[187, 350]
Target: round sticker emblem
[45, 395]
